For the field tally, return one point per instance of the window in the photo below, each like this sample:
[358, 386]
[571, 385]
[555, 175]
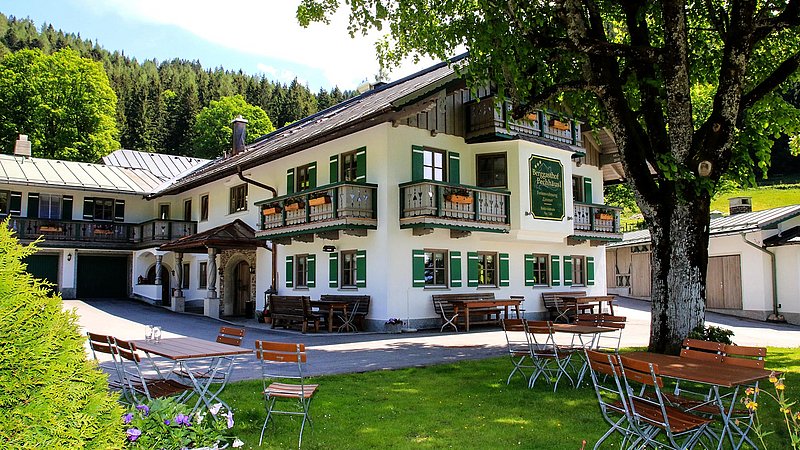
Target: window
[349, 166]
[578, 271]
[433, 167]
[204, 207]
[163, 211]
[187, 210]
[49, 206]
[540, 270]
[577, 189]
[4, 202]
[491, 170]
[185, 280]
[203, 277]
[348, 275]
[301, 271]
[303, 177]
[103, 209]
[436, 268]
[238, 198]
[487, 269]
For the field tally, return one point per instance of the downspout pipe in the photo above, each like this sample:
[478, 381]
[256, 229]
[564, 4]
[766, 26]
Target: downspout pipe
[776, 316]
[274, 280]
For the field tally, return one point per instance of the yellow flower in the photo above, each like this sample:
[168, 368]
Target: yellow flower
[751, 405]
[779, 385]
[773, 379]
[797, 416]
[749, 391]
[786, 410]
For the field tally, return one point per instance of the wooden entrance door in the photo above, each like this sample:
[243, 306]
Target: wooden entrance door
[241, 295]
[724, 282]
[640, 274]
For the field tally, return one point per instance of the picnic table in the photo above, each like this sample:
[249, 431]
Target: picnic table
[577, 301]
[330, 307]
[466, 304]
[580, 331]
[188, 351]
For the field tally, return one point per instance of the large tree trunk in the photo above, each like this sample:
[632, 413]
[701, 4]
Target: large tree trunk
[679, 260]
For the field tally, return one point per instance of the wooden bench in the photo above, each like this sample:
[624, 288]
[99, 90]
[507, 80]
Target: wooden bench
[287, 310]
[357, 306]
[445, 309]
[558, 309]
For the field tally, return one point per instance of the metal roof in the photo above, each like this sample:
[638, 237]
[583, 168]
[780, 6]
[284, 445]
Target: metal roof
[787, 237]
[159, 164]
[78, 175]
[325, 124]
[733, 224]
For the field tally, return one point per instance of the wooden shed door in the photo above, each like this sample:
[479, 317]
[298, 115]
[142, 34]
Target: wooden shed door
[724, 282]
[640, 274]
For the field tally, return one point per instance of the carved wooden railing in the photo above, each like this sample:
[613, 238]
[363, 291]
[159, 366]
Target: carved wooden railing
[596, 218]
[454, 201]
[319, 205]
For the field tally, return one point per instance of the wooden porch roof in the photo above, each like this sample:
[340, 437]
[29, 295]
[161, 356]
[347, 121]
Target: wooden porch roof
[234, 235]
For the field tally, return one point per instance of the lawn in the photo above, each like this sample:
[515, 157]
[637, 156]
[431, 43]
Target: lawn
[462, 405]
[765, 197]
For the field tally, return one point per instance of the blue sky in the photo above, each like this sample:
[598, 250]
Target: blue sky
[256, 36]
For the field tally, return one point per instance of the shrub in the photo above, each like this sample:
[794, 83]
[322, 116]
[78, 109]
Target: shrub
[711, 333]
[50, 395]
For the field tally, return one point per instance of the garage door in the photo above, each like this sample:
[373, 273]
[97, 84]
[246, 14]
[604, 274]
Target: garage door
[724, 282]
[44, 267]
[102, 276]
[640, 274]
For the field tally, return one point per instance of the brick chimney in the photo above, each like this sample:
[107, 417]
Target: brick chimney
[23, 146]
[740, 205]
[239, 135]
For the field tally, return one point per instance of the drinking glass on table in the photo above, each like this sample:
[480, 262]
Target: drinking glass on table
[148, 333]
[156, 334]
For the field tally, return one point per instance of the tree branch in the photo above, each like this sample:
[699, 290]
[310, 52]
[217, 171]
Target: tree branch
[720, 25]
[595, 47]
[782, 73]
[790, 17]
[535, 100]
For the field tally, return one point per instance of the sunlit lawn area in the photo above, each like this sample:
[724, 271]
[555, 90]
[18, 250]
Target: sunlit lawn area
[463, 405]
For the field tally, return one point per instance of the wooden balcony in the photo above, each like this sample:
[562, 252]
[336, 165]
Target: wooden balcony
[490, 119]
[596, 222]
[327, 210]
[88, 234]
[432, 204]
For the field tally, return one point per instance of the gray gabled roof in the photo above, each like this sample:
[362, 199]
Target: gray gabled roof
[368, 109]
[161, 165]
[733, 224]
[75, 175]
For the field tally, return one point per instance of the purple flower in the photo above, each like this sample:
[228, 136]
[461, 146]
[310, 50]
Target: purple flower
[182, 419]
[126, 419]
[229, 416]
[167, 422]
[144, 408]
[133, 434]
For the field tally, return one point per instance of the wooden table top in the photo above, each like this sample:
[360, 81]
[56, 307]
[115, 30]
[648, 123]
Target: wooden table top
[707, 372]
[334, 303]
[580, 329]
[486, 302]
[188, 348]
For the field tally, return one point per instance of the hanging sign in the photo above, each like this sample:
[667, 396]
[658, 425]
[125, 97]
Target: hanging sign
[547, 188]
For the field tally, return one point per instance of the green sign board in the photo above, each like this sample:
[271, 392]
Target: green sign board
[547, 188]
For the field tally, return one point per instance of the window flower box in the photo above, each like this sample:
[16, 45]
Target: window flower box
[458, 198]
[50, 229]
[558, 125]
[604, 216]
[321, 200]
[293, 204]
[272, 210]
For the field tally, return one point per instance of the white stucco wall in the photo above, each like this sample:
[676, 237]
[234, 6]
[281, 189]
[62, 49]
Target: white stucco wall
[787, 260]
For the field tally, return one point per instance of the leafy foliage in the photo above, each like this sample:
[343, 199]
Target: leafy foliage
[213, 130]
[712, 333]
[50, 395]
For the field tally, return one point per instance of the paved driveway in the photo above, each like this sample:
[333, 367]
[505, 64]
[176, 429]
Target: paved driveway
[358, 352]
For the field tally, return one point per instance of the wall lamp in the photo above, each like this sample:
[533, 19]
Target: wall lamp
[69, 256]
[328, 248]
[252, 270]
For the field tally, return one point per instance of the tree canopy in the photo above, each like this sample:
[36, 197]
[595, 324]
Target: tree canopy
[213, 125]
[676, 82]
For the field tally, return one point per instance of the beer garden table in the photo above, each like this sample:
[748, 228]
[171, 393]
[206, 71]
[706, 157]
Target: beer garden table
[465, 305]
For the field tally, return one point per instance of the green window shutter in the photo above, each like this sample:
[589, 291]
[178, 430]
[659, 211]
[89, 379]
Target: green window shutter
[555, 270]
[33, 205]
[88, 208]
[472, 269]
[455, 269]
[290, 181]
[454, 167]
[587, 190]
[529, 278]
[15, 203]
[590, 271]
[568, 271]
[119, 210]
[418, 268]
[334, 170]
[289, 271]
[311, 268]
[333, 269]
[66, 207]
[312, 175]
[361, 268]
[361, 165]
[417, 171]
[504, 269]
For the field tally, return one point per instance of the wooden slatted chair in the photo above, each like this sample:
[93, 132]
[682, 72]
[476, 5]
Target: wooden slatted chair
[140, 385]
[519, 347]
[272, 355]
[229, 336]
[651, 415]
[605, 374]
[699, 349]
[551, 360]
[101, 343]
[607, 321]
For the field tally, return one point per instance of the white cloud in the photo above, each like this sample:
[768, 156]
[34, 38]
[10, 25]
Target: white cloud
[282, 75]
[268, 29]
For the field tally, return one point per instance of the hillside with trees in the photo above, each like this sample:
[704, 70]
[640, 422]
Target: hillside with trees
[157, 103]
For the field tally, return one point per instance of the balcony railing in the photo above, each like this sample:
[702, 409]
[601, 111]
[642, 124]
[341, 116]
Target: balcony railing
[121, 235]
[339, 205]
[438, 204]
[593, 218]
[490, 117]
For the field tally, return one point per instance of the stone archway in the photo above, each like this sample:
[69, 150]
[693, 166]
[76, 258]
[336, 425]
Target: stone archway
[238, 282]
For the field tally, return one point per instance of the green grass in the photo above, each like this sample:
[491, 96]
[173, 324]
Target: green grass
[765, 197]
[466, 405]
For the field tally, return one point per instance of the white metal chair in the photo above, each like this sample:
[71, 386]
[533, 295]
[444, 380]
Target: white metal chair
[137, 384]
[519, 348]
[446, 311]
[272, 356]
[551, 360]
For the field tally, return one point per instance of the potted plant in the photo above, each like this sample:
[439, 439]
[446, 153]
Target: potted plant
[462, 196]
[394, 325]
[558, 125]
[603, 215]
[271, 209]
[293, 204]
[319, 199]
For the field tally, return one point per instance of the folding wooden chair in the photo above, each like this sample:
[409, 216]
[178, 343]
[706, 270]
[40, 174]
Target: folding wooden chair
[604, 370]
[272, 355]
[651, 415]
[101, 343]
[138, 384]
[742, 356]
[700, 350]
[551, 360]
[519, 347]
[447, 312]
